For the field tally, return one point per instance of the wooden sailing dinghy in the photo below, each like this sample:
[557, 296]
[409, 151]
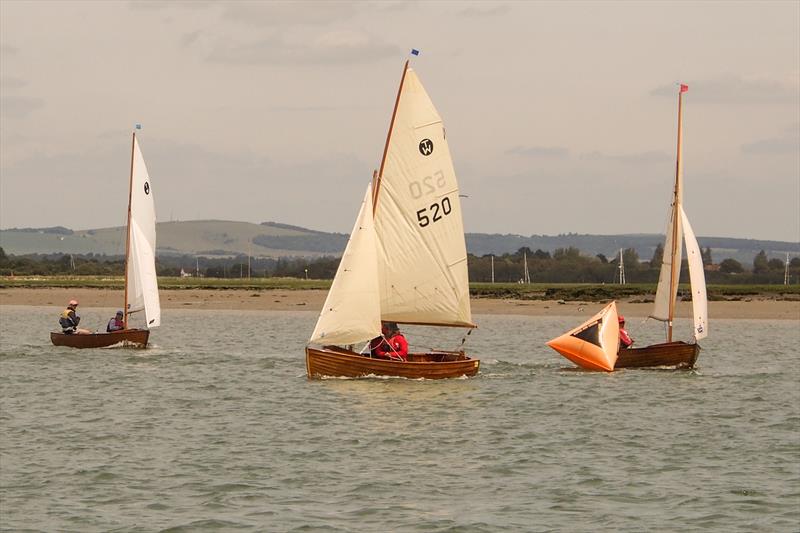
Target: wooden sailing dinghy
[677, 354]
[141, 287]
[406, 260]
[671, 353]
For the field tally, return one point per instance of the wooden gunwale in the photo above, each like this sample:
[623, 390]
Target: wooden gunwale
[337, 362]
[136, 337]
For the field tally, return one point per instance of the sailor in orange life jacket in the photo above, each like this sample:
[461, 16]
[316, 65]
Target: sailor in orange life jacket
[395, 346]
[69, 320]
[625, 340]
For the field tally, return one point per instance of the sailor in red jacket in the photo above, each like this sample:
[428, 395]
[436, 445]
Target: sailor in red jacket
[396, 345]
[378, 344]
[625, 340]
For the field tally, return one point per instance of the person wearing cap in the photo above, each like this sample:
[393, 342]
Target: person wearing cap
[396, 345]
[116, 323]
[69, 320]
[625, 340]
[378, 346]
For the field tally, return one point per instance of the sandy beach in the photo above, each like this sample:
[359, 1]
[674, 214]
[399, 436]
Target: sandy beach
[312, 300]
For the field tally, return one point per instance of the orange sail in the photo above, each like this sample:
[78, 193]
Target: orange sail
[594, 344]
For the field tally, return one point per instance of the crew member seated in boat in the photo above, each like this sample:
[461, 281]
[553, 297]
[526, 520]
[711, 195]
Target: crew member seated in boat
[396, 345]
[376, 343]
[625, 340]
[69, 320]
[116, 323]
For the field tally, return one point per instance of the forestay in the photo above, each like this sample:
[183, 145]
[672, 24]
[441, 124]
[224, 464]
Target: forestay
[142, 287]
[351, 312]
[697, 279]
[422, 258]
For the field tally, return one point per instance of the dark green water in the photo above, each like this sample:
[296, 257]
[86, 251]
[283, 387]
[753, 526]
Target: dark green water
[216, 428]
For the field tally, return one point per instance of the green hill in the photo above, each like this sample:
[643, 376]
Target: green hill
[273, 240]
[197, 237]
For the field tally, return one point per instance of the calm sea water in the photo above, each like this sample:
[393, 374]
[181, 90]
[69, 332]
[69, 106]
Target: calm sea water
[216, 428]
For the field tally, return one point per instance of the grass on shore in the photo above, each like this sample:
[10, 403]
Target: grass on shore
[534, 291]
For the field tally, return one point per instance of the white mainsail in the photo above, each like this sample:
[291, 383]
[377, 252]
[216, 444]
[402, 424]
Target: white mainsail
[352, 310]
[697, 280]
[422, 256]
[664, 296]
[142, 285]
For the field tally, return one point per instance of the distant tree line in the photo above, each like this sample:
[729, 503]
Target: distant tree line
[564, 265]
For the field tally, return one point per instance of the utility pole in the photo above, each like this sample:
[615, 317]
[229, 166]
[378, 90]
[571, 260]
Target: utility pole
[527, 274]
[786, 270]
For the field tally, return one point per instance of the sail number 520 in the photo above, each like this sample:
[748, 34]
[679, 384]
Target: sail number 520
[427, 185]
[436, 211]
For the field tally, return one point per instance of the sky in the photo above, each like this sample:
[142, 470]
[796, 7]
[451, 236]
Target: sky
[561, 116]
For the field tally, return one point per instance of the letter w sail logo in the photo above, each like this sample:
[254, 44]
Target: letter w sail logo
[426, 147]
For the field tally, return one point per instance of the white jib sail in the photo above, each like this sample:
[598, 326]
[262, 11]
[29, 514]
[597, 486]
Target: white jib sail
[422, 256]
[697, 279]
[142, 283]
[663, 295]
[352, 312]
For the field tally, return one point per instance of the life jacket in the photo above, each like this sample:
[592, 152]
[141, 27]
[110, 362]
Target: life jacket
[115, 325]
[399, 346]
[625, 340]
[68, 319]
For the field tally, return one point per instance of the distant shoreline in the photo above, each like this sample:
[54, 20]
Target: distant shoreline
[756, 307]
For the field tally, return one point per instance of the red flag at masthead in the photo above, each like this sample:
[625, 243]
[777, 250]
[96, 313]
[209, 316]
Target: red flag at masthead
[684, 88]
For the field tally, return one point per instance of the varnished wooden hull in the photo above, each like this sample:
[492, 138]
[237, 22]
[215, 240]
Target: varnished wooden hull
[135, 337]
[674, 354]
[337, 362]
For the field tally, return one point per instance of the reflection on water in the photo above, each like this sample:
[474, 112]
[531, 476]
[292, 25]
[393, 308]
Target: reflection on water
[216, 427]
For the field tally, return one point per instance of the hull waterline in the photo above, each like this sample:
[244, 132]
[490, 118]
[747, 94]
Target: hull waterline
[337, 362]
[132, 337]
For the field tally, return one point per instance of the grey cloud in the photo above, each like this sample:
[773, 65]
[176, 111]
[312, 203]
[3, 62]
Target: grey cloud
[8, 50]
[652, 156]
[156, 5]
[190, 38]
[786, 144]
[9, 82]
[288, 13]
[735, 90]
[332, 48]
[19, 106]
[539, 151]
[489, 11]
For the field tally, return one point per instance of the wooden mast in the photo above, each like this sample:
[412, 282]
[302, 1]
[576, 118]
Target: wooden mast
[128, 235]
[676, 269]
[388, 138]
